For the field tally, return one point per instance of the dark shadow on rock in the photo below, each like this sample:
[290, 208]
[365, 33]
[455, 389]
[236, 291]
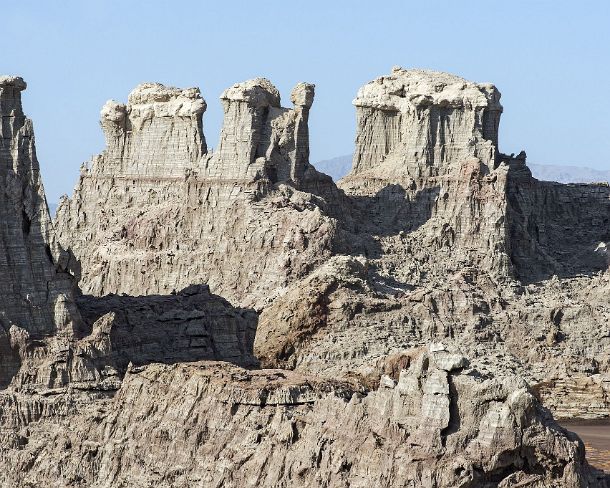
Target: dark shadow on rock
[191, 325]
[9, 359]
[393, 209]
[363, 218]
[557, 229]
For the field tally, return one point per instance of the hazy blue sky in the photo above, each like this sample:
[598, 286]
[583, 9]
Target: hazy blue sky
[550, 60]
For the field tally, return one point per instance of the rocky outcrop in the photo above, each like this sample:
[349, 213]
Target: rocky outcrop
[435, 422]
[424, 123]
[446, 229]
[259, 138]
[48, 343]
[35, 292]
[427, 167]
[450, 239]
[557, 229]
[236, 225]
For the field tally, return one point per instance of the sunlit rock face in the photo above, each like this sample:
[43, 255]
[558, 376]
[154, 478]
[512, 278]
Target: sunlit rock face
[414, 335]
[432, 422]
[34, 292]
[424, 122]
[157, 211]
[158, 133]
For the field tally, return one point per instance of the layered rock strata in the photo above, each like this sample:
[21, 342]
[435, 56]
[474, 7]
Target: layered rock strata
[448, 244]
[424, 121]
[435, 238]
[228, 229]
[446, 229]
[35, 292]
[62, 351]
[433, 422]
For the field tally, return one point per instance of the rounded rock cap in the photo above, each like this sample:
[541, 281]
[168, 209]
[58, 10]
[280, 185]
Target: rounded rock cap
[15, 82]
[302, 95]
[258, 92]
[405, 88]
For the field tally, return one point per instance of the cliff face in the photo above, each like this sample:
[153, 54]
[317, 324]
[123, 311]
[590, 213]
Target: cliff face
[459, 241]
[35, 293]
[157, 134]
[557, 229]
[228, 229]
[447, 229]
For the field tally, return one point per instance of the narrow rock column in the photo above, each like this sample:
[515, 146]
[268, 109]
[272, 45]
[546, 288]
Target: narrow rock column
[31, 282]
[246, 110]
[302, 97]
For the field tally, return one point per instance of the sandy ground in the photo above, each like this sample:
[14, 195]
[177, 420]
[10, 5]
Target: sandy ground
[596, 437]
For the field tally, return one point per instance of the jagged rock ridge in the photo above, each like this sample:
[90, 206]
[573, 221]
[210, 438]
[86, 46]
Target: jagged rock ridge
[35, 293]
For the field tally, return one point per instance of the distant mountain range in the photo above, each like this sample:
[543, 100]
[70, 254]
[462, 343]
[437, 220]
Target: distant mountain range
[338, 167]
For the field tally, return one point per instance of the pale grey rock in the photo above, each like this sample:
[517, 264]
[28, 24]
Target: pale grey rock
[302, 95]
[35, 292]
[448, 247]
[449, 254]
[449, 362]
[424, 121]
[212, 424]
[237, 227]
[157, 134]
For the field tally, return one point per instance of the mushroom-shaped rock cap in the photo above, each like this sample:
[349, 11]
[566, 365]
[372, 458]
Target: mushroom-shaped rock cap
[258, 92]
[113, 111]
[15, 82]
[406, 88]
[166, 101]
[302, 94]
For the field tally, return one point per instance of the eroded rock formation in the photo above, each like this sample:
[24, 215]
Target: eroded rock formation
[435, 422]
[227, 230]
[35, 292]
[421, 311]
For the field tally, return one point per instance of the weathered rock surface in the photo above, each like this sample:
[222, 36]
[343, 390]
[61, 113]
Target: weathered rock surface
[35, 292]
[450, 230]
[211, 424]
[228, 229]
[425, 121]
[425, 306]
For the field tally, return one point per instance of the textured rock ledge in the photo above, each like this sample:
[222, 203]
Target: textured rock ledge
[432, 422]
